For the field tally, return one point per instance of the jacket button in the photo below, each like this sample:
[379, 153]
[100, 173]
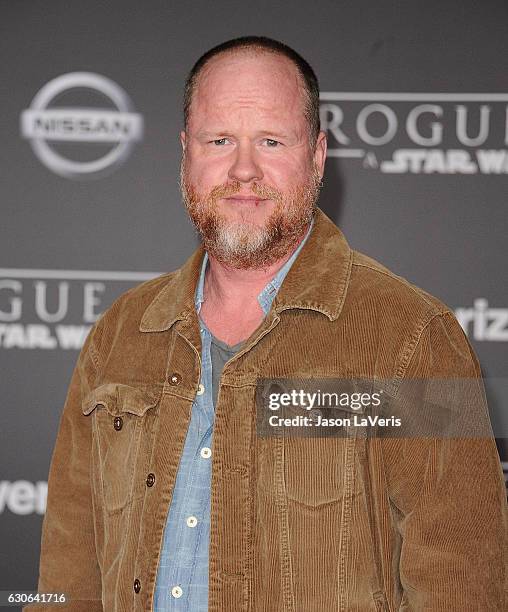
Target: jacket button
[118, 423]
[175, 379]
[137, 586]
[150, 480]
[314, 414]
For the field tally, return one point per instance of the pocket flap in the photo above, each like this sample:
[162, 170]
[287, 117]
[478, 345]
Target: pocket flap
[117, 398]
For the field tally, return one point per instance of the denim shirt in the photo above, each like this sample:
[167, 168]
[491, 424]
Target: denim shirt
[182, 576]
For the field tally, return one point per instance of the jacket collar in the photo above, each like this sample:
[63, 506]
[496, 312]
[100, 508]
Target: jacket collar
[317, 280]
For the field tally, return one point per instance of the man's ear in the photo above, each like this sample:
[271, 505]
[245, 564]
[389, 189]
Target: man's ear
[320, 152]
[183, 140]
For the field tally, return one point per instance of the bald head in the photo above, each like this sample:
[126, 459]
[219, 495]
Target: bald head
[297, 73]
[268, 84]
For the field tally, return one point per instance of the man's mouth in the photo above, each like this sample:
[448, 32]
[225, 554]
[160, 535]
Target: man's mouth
[246, 200]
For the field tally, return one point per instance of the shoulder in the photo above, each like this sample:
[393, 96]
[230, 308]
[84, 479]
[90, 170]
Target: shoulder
[370, 279]
[123, 317]
[136, 299]
[402, 314]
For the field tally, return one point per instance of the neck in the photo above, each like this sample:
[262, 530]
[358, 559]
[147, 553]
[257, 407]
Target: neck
[235, 288]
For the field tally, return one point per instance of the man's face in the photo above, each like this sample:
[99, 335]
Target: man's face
[250, 176]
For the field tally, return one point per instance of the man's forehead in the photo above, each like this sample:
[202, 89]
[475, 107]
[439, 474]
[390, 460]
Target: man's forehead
[266, 58]
[249, 69]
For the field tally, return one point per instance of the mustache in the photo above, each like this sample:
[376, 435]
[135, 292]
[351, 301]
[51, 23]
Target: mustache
[227, 190]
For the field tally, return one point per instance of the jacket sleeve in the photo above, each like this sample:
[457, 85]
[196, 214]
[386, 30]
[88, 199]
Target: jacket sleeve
[454, 520]
[68, 561]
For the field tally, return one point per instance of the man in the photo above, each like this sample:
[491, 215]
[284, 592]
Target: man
[163, 496]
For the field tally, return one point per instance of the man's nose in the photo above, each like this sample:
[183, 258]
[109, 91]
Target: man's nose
[245, 166]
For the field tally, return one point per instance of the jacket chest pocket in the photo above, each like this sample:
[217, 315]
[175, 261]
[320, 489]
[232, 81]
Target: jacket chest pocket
[122, 416]
[312, 466]
[310, 473]
[319, 472]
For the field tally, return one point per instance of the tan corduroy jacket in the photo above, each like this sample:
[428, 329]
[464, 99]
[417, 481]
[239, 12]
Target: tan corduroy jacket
[297, 524]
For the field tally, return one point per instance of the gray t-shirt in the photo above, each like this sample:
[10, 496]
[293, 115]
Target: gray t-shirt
[220, 353]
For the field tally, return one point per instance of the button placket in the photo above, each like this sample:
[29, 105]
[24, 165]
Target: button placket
[187, 536]
[187, 525]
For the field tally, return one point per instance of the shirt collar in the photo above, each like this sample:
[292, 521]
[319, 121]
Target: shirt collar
[318, 280]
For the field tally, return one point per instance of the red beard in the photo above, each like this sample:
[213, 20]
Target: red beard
[244, 245]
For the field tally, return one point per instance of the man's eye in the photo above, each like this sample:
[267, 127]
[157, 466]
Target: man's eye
[270, 142]
[219, 141]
